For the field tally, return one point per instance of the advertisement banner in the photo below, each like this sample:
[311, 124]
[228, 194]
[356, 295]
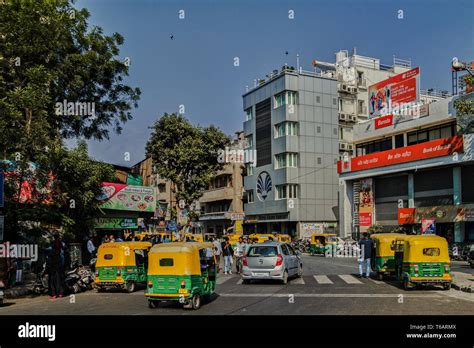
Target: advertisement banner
[396, 90]
[429, 149]
[406, 216]
[116, 223]
[428, 226]
[127, 197]
[237, 216]
[366, 204]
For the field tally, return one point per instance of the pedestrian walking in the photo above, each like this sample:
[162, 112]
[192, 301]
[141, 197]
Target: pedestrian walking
[56, 269]
[366, 246]
[217, 252]
[111, 238]
[239, 254]
[90, 248]
[228, 253]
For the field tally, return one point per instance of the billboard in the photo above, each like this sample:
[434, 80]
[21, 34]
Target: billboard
[428, 226]
[366, 204]
[127, 197]
[400, 89]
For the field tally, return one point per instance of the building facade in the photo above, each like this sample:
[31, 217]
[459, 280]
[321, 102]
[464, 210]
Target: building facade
[410, 171]
[292, 128]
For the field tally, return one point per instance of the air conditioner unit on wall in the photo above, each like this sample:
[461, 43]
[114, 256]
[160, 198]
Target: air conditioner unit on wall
[342, 116]
[342, 146]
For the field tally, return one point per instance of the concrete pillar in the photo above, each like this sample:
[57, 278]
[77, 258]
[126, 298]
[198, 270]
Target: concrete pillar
[345, 207]
[411, 191]
[457, 200]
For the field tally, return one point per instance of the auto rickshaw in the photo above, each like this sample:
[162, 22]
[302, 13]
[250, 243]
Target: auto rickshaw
[283, 238]
[383, 255]
[233, 238]
[422, 260]
[195, 237]
[121, 265]
[262, 237]
[209, 236]
[182, 272]
[321, 243]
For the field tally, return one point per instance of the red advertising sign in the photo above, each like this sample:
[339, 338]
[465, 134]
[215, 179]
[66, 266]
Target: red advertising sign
[365, 219]
[406, 216]
[429, 149]
[398, 89]
[383, 121]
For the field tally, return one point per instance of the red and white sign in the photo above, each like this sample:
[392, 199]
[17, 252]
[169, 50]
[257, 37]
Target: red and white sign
[429, 149]
[398, 89]
[383, 121]
[365, 219]
[406, 216]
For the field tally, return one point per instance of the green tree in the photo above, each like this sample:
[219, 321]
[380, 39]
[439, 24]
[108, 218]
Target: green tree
[464, 107]
[186, 155]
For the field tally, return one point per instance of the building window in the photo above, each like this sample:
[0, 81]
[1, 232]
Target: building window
[249, 114]
[318, 129]
[334, 101]
[292, 191]
[285, 98]
[286, 128]
[374, 146]
[433, 133]
[318, 99]
[249, 167]
[284, 160]
[280, 192]
[319, 160]
[249, 141]
[162, 188]
[250, 196]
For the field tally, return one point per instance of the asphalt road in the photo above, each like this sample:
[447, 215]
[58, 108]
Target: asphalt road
[328, 286]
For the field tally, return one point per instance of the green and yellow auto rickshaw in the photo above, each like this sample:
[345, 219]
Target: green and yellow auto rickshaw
[121, 265]
[383, 259]
[181, 272]
[422, 260]
[321, 243]
[209, 236]
[262, 237]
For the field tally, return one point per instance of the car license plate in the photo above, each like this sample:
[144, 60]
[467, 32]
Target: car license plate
[261, 274]
[183, 291]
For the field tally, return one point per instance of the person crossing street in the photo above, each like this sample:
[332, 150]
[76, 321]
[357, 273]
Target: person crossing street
[239, 254]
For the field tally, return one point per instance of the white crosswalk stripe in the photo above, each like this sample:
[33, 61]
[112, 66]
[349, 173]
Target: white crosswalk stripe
[240, 281]
[322, 279]
[349, 279]
[223, 278]
[297, 281]
[376, 281]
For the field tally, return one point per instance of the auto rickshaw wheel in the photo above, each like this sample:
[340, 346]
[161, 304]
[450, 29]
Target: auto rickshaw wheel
[130, 286]
[153, 304]
[196, 301]
[100, 289]
[245, 281]
[407, 284]
[446, 286]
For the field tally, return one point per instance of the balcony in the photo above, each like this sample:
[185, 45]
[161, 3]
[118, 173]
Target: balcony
[345, 88]
[217, 194]
[362, 83]
[214, 216]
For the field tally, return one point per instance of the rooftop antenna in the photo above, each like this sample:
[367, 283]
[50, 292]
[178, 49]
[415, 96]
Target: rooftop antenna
[298, 61]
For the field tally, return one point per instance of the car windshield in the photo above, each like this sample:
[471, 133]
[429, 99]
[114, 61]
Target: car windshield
[263, 251]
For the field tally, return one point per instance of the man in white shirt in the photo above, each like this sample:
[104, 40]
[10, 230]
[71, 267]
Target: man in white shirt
[239, 252]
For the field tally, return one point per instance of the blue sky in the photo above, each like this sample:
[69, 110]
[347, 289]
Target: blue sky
[197, 69]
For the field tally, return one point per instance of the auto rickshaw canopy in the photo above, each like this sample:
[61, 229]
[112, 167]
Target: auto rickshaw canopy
[177, 258]
[119, 253]
[384, 243]
[423, 248]
[316, 237]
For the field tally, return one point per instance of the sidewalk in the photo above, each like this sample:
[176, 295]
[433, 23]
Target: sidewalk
[463, 282]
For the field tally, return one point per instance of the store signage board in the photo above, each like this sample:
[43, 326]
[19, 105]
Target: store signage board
[406, 216]
[383, 121]
[429, 149]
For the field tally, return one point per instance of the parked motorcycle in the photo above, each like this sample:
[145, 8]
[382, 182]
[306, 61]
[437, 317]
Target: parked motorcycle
[41, 284]
[79, 279]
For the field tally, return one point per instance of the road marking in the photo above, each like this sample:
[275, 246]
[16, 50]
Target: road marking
[297, 281]
[376, 281]
[331, 295]
[223, 279]
[349, 279]
[322, 279]
[240, 281]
